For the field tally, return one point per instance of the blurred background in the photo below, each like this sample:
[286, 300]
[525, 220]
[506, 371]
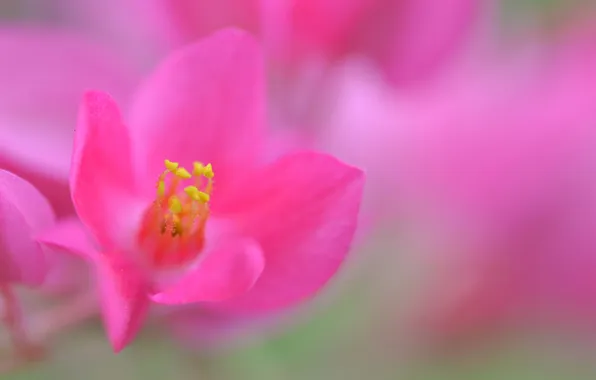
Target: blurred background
[475, 122]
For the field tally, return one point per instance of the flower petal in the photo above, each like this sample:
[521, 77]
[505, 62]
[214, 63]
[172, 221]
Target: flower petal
[303, 211]
[283, 141]
[206, 103]
[23, 211]
[123, 286]
[69, 235]
[229, 269]
[421, 36]
[124, 297]
[298, 28]
[191, 19]
[43, 75]
[71, 249]
[101, 180]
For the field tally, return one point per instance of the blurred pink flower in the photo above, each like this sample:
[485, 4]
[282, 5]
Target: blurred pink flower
[43, 75]
[239, 236]
[527, 185]
[494, 167]
[510, 179]
[408, 38]
[188, 20]
[23, 212]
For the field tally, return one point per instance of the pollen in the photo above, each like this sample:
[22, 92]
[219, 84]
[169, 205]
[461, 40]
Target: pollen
[174, 205]
[183, 173]
[204, 197]
[198, 169]
[173, 228]
[192, 192]
[171, 166]
[208, 171]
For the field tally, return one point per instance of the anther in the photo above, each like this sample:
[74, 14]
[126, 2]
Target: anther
[198, 169]
[208, 171]
[204, 197]
[174, 205]
[173, 229]
[171, 165]
[192, 192]
[182, 173]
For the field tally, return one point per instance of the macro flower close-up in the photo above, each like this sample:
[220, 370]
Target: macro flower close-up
[297, 189]
[232, 228]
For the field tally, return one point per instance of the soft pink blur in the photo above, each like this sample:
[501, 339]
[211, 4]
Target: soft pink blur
[43, 74]
[494, 167]
[24, 211]
[408, 39]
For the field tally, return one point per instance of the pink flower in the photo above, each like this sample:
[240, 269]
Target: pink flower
[494, 169]
[409, 39]
[222, 228]
[511, 180]
[23, 212]
[44, 73]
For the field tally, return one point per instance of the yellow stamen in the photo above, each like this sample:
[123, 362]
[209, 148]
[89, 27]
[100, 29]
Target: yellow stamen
[204, 197]
[192, 192]
[171, 165]
[182, 173]
[208, 171]
[198, 169]
[174, 227]
[174, 205]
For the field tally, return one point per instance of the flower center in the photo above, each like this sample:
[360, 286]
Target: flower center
[173, 227]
